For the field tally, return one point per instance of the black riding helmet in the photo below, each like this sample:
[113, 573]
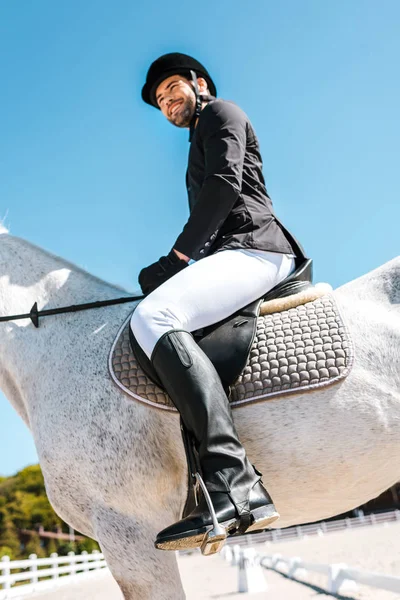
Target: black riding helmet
[176, 63]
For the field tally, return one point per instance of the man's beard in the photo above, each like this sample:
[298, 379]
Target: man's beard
[185, 113]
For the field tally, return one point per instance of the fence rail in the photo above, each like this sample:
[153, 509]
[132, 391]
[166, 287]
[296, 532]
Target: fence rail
[250, 563]
[75, 565]
[300, 531]
[337, 574]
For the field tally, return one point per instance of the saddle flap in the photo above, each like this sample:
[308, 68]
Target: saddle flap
[227, 343]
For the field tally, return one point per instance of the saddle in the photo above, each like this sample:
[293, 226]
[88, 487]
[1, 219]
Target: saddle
[228, 342]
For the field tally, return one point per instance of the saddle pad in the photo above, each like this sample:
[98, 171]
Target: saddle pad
[296, 350]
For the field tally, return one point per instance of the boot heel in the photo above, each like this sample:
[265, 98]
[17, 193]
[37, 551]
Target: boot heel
[263, 518]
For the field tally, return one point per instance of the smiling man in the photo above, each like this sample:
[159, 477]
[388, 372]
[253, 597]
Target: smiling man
[231, 252]
[175, 100]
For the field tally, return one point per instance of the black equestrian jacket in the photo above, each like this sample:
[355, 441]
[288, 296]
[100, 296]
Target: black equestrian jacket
[228, 201]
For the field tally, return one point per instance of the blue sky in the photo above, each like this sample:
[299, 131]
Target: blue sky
[91, 173]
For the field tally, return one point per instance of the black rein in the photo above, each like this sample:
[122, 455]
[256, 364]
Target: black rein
[34, 313]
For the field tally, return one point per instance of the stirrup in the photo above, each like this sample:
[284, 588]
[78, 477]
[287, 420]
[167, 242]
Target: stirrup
[214, 539]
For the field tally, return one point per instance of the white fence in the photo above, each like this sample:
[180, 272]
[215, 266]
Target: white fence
[301, 531]
[337, 574]
[250, 579]
[75, 566]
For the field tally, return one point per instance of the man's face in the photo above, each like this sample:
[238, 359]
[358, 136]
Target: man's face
[176, 99]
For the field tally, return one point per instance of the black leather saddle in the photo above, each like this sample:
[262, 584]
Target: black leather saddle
[227, 343]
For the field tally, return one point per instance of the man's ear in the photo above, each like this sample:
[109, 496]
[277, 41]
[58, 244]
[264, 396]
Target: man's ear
[203, 87]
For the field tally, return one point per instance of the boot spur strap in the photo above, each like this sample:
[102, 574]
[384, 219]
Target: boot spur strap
[245, 520]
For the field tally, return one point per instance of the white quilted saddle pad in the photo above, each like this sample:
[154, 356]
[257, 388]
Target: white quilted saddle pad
[296, 350]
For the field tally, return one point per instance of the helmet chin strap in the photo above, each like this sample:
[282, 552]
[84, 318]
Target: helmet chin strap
[199, 103]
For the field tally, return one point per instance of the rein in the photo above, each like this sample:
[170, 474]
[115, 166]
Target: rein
[34, 313]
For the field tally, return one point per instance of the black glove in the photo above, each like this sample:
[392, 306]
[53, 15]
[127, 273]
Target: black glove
[154, 275]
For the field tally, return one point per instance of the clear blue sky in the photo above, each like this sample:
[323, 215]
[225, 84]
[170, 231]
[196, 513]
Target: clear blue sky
[91, 173]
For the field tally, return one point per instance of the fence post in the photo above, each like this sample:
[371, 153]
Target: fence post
[33, 569]
[72, 562]
[6, 571]
[250, 576]
[299, 532]
[335, 577]
[85, 561]
[275, 560]
[293, 566]
[236, 555]
[53, 562]
[96, 552]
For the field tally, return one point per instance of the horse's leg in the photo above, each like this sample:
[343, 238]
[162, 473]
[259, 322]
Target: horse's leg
[140, 570]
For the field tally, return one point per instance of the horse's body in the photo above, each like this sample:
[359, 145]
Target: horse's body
[115, 469]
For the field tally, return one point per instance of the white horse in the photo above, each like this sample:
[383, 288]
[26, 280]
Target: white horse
[115, 469]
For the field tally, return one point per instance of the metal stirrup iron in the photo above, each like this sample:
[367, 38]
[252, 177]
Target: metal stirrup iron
[215, 538]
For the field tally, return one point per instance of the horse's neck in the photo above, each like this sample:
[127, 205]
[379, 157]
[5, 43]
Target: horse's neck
[27, 275]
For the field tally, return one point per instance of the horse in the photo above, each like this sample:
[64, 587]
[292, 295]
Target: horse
[115, 469]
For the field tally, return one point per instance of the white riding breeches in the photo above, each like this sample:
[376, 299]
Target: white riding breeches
[208, 291]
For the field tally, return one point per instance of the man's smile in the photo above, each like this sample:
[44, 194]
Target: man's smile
[174, 107]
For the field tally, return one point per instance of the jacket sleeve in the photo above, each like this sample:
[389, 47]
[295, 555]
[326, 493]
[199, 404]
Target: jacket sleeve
[223, 134]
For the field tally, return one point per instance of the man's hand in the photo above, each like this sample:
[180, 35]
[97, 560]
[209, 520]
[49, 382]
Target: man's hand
[154, 275]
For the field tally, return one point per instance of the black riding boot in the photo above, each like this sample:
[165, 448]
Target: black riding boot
[240, 501]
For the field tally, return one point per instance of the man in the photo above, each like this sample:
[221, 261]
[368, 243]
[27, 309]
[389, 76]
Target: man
[231, 252]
